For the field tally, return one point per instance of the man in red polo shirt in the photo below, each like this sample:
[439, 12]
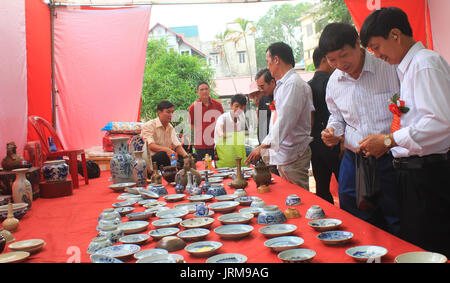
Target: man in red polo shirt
[203, 115]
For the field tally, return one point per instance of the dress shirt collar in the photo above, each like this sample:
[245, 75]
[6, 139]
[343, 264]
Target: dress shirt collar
[160, 125]
[403, 67]
[367, 67]
[286, 76]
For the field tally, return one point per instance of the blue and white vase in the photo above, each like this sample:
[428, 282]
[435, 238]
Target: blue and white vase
[139, 169]
[55, 170]
[21, 188]
[122, 161]
[179, 188]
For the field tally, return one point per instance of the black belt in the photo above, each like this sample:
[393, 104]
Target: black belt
[418, 162]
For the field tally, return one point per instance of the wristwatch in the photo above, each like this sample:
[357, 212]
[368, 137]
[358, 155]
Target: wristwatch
[387, 141]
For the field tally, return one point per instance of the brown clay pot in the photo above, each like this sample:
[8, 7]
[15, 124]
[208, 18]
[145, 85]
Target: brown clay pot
[169, 173]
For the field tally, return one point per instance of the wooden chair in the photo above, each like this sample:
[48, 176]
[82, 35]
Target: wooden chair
[45, 130]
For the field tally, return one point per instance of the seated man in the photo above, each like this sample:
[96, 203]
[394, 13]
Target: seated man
[229, 133]
[161, 138]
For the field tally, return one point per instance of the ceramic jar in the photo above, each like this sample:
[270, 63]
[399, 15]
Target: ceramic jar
[21, 188]
[98, 243]
[271, 215]
[315, 212]
[216, 190]
[239, 182]
[139, 169]
[122, 161]
[206, 185]
[111, 232]
[55, 171]
[169, 173]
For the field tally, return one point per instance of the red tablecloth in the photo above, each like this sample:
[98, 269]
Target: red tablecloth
[67, 224]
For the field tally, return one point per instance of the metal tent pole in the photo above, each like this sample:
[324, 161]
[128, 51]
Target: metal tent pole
[52, 40]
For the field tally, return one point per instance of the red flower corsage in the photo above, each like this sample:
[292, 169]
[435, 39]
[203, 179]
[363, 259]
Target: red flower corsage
[272, 106]
[397, 107]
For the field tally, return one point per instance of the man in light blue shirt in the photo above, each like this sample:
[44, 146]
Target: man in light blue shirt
[289, 133]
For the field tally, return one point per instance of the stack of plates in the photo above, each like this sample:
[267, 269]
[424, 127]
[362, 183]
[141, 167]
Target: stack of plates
[32, 245]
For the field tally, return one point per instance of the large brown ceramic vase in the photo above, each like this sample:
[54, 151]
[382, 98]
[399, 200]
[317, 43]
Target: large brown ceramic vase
[239, 182]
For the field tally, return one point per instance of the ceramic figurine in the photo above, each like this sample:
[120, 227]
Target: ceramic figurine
[12, 160]
[139, 169]
[21, 188]
[55, 171]
[122, 161]
[239, 182]
[10, 223]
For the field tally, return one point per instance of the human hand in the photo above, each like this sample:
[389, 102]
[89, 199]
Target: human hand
[373, 145]
[329, 138]
[255, 155]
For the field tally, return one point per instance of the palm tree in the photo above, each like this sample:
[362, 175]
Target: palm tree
[219, 45]
[246, 28]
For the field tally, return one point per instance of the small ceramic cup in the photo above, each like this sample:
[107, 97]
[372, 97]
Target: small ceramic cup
[315, 212]
[201, 210]
[98, 243]
[240, 193]
[292, 200]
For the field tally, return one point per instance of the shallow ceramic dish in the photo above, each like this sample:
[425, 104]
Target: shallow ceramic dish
[195, 234]
[13, 257]
[297, 255]
[366, 253]
[201, 198]
[223, 206]
[277, 230]
[231, 197]
[26, 245]
[335, 237]
[173, 213]
[235, 218]
[119, 251]
[127, 196]
[124, 210]
[253, 210]
[223, 174]
[162, 258]
[149, 252]
[213, 180]
[227, 258]
[132, 227]
[144, 215]
[120, 187]
[190, 206]
[155, 209]
[124, 203]
[233, 231]
[137, 239]
[174, 197]
[148, 202]
[325, 224]
[133, 190]
[197, 222]
[421, 257]
[244, 200]
[153, 204]
[95, 258]
[204, 248]
[163, 232]
[283, 243]
[167, 222]
[148, 194]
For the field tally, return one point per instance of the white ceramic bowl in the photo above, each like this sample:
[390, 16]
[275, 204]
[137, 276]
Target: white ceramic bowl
[204, 248]
[366, 253]
[283, 243]
[227, 258]
[167, 222]
[233, 231]
[325, 224]
[235, 218]
[163, 232]
[195, 234]
[197, 222]
[421, 257]
[297, 255]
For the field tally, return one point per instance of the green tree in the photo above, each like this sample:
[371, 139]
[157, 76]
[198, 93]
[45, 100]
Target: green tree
[332, 11]
[171, 76]
[280, 23]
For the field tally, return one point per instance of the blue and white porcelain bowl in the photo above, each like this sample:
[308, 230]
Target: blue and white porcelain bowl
[202, 210]
[204, 248]
[95, 258]
[55, 170]
[315, 212]
[271, 215]
[335, 237]
[119, 251]
[297, 255]
[366, 253]
[97, 244]
[160, 190]
[216, 190]
[292, 200]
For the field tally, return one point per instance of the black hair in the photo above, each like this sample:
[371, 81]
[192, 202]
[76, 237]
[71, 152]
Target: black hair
[202, 83]
[267, 75]
[317, 57]
[165, 104]
[239, 98]
[381, 22]
[283, 51]
[335, 36]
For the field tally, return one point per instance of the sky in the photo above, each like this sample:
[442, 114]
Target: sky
[211, 18]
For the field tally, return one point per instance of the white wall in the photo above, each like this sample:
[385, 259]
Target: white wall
[440, 21]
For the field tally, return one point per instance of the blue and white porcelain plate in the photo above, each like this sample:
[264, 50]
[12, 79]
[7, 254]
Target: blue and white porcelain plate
[149, 252]
[277, 230]
[233, 231]
[133, 226]
[223, 206]
[366, 253]
[163, 232]
[96, 258]
[193, 234]
[297, 255]
[235, 218]
[174, 197]
[173, 213]
[253, 210]
[161, 258]
[197, 222]
[325, 224]
[190, 206]
[279, 244]
[124, 203]
[124, 210]
[119, 251]
[200, 198]
[230, 197]
[148, 194]
[227, 258]
[167, 222]
[335, 237]
[137, 239]
[204, 248]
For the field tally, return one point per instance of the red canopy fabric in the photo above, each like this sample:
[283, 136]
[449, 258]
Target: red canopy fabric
[417, 11]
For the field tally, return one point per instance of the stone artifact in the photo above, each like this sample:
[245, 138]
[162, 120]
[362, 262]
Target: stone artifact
[12, 160]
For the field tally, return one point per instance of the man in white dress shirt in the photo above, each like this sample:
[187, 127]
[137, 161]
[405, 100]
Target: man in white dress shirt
[421, 145]
[289, 134]
[357, 98]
